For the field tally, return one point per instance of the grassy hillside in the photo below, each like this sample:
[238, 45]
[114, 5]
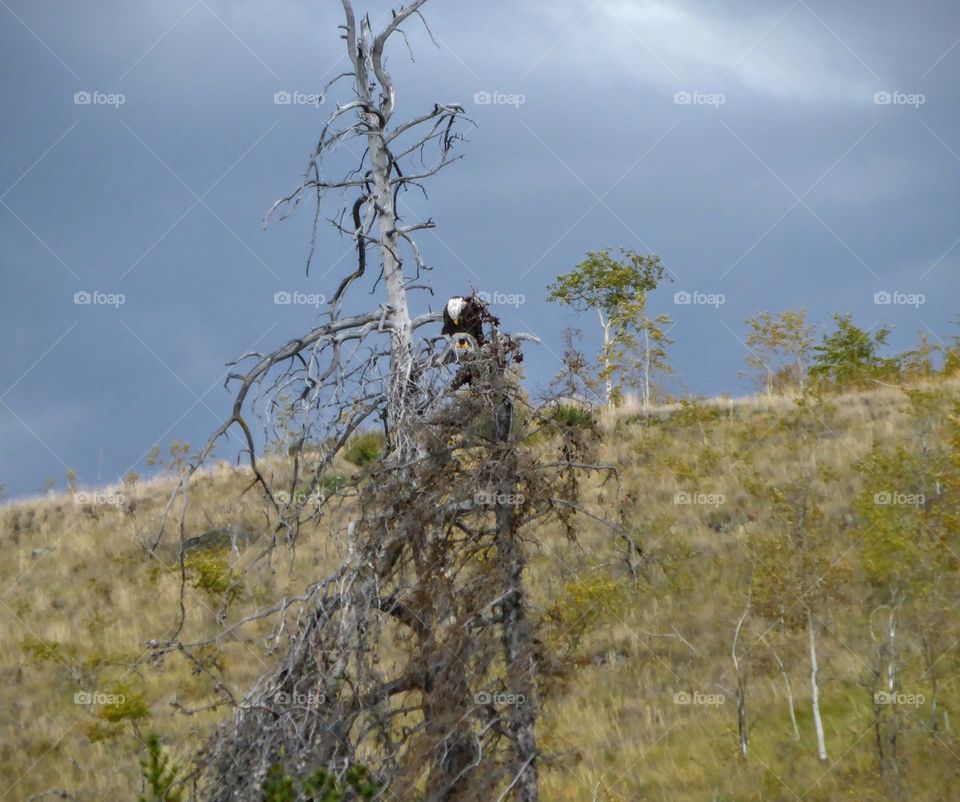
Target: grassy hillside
[768, 513]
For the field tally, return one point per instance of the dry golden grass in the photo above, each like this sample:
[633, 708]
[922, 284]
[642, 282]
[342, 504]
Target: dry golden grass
[80, 599]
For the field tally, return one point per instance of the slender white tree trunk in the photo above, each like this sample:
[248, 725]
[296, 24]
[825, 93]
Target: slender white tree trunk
[893, 730]
[891, 654]
[646, 365]
[605, 325]
[815, 689]
[786, 682]
[401, 352]
[742, 678]
[366, 52]
[790, 705]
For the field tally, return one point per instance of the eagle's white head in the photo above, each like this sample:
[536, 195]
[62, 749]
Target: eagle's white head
[455, 308]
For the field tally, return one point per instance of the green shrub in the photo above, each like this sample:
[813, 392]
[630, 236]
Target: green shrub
[585, 603]
[364, 448]
[278, 787]
[158, 774]
[211, 573]
[48, 651]
[849, 356]
[573, 416]
[331, 484]
[127, 705]
[694, 413]
[97, 731]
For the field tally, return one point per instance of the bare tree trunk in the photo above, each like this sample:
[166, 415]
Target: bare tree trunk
[520, 661]
[930, 658]
[605, 325]
[877, 720]
[517, 637]
[742, 670]
[399, 317]
[893, 728]
[646, 366]
[815, 689]
[891, 654]
[786, 682]
[447, 695]
[382, 165]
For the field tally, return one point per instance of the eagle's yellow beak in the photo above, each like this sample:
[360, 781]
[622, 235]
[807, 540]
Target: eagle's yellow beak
[456, 321]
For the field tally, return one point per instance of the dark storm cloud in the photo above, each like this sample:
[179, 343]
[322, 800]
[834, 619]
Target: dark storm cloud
[751, 145]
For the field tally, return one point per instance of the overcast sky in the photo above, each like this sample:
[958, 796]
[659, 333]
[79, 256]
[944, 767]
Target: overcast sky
[775, 154]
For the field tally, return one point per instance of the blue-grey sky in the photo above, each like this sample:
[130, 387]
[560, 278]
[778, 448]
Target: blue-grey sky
[777, 154]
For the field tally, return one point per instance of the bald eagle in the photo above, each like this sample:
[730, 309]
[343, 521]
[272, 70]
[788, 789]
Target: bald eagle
[463, 315]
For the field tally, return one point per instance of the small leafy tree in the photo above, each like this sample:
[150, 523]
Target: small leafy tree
[907, 513]
[641, 353]
[792, 561]
[578, 378]
[849, 356]
[802, 566]
[951, 356]
[780, 348]
[917, 363]
[616, 289]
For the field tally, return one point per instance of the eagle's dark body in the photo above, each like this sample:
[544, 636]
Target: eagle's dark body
[464, 315]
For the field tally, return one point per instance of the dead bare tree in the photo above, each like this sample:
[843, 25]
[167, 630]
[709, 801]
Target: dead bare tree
[343, 363]
[413, 665]
[416, 660]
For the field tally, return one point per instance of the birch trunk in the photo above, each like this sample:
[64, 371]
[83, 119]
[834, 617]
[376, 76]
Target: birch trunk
[646, 365]
[893, 730]
[741, 672]
[786, 682]
[815, 690]
[605, 325]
